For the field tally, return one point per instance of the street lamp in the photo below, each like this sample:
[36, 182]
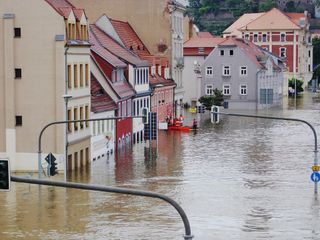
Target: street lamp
[66, 99]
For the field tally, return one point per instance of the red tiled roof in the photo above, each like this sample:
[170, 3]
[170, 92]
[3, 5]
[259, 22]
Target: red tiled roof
[249, 48]
[122, 89]
[129, 37]
[202, 42]
[204, 35]
[115, 48]
[100, 100]
[159, 80]
[104, 53]
[63, 7]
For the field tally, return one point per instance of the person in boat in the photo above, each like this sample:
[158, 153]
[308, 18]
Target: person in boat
[181, 118]
[176, 122]
[195, 124]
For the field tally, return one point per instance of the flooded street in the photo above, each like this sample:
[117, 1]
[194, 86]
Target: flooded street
[240, 179]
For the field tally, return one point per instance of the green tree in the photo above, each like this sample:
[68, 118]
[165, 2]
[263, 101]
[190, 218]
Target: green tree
[267, 5]
[215, 99]
[299, 83]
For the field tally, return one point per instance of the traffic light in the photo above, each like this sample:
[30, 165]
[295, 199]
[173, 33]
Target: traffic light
[4, 175]
[201, 109]
[52, 165]
[215, 114]
[145, 115]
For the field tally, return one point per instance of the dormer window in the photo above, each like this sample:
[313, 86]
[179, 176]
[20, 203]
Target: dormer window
[71, 31]
[84, 32]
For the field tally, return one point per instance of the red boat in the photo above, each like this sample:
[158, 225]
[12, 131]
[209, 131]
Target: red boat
[179, 128]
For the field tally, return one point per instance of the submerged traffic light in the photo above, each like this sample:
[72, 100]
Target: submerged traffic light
[145, 115]
[4, 175]
[52, 165]
[201, 109]
[215, 114]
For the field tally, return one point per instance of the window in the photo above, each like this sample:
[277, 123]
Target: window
[69, 118]
[200, 50]
[209, 71]
[266, 96]
[243, 71]
[18, 120]
[17, 32]
[231, 52]
[282, 52]
[255, 37]
[282, 37]
[226, 71]
[209, 89]
[81, 76]
[264, 37]
[87, 74]
[75, 117]
[17, 73]
[221, 52]
[226, 89]
[243, 89]
[87, 115]
[81, 117]
[75, 75]
[69, 77]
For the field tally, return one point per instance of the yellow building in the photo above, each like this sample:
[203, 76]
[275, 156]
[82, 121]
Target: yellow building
[160, 24]
[45, 55]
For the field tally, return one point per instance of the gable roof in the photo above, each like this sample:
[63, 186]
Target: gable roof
[255, 53]
[100, 100]
[129, 37]
[64, 7]
[104, 53]
[241, 22]
[196, 42]
[273, 20]
[115, 48]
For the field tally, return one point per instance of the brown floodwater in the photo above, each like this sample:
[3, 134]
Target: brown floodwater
[240, 179]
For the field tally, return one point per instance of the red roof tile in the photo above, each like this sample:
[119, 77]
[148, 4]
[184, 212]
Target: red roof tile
[100, 100]
[115, 48]
[249, 48]
[195, 42]
[129, 37]
[104, 53]
[204, 35]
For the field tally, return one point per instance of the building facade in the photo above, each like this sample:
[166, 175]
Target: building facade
[248, 76]
[35, 78]
[286, 35]
[195, 51]
[166, 16]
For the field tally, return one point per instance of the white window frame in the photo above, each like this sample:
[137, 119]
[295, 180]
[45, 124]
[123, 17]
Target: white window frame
[285, 37]
[243, 70]
[226, 70]
[284, 53]
[209, 71]
[266, 37]
[243, 89]
[209, 89]
[226, 89]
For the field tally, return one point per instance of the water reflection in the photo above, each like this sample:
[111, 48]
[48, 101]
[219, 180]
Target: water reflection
[240, 179]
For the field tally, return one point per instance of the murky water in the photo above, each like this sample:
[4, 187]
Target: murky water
[241, 179]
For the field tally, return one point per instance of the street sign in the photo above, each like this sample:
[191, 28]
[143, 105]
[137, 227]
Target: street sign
[315, 177]
[315, 168]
